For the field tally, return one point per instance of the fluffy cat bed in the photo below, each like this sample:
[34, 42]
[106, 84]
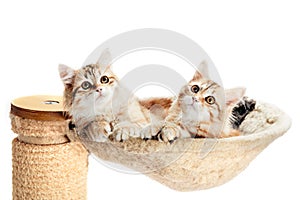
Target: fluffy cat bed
[193, 164]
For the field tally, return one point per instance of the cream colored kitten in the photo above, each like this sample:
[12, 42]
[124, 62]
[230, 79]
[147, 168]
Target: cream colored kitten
[99, 105]
[202, 109]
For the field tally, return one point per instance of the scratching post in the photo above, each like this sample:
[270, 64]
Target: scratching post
[46, 164]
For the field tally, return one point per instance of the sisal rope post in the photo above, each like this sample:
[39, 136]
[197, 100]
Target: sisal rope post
[46, 164]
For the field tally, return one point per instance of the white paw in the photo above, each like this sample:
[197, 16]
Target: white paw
[124, 132]
[105, 128]
[121, 135]
[146, 132]
[150, 131]
[97, 131]
[169, 133]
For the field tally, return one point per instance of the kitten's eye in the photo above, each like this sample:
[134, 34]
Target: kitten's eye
[104, 79]
[210, 100]
[195, 88]
[86, 85]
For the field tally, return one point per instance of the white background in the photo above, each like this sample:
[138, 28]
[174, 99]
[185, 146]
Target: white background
[254, 44]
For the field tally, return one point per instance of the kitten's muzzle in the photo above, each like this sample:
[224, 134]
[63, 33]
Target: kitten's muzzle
[195, 99]
[99, 90]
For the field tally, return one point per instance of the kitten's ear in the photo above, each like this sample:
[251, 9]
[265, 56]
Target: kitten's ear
[66, 73]
[203, 68]
[105, 59]
[197, 76]
[232, 96]
[202, 71]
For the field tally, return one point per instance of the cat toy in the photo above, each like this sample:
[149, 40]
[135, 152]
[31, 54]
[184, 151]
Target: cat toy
[46, 162]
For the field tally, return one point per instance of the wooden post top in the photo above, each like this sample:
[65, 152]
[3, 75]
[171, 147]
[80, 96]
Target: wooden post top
[39, 107]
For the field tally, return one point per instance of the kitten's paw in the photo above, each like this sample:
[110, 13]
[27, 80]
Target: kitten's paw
[146, 132]
[105, 128]
[169, 133]
[120, 135]
[124, 132]
[96, 132]
[150, 131]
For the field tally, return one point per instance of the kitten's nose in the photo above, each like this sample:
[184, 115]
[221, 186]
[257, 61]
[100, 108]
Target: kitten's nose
[99, 90]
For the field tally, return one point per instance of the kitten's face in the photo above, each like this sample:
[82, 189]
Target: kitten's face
[202, 99]
[88, 89]
[93, 85]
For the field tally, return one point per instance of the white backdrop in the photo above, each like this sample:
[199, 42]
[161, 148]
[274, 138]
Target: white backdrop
[255, 44]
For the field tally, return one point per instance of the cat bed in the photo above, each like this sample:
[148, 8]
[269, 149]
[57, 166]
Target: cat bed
[193, 164]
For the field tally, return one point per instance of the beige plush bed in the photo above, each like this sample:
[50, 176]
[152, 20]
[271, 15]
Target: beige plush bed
[194, 164]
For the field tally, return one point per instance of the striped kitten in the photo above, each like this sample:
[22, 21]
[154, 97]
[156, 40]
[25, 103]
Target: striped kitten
[200, 110]
[99, 105]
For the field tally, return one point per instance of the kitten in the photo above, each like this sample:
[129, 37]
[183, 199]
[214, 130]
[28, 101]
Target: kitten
[99, 105]
[202, 109]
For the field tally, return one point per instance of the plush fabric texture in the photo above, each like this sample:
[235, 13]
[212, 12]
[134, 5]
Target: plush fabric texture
[194, 164]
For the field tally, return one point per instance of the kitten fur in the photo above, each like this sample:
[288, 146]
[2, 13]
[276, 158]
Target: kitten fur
[202, 113]
[97, 119]
[98, 104]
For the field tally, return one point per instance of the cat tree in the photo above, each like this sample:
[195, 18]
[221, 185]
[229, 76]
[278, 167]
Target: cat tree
[46, 164]
[48, 161]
